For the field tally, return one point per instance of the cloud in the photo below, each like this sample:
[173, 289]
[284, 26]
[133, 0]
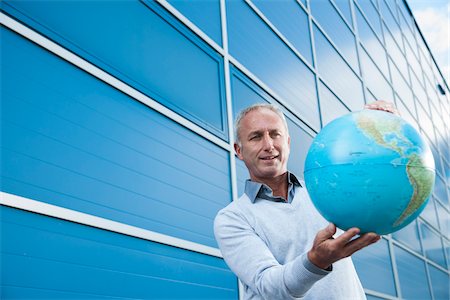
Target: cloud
[435, 26]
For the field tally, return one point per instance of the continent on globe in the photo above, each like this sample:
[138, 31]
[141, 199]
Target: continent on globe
[369, 169]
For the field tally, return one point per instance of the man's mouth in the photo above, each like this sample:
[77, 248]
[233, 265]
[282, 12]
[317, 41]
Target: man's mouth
[269, 157]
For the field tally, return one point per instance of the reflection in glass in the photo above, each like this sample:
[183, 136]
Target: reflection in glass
[371, 43]
[432, 245]
[330, 106]
[439, 283]
[372, 15]
[375, 81]
[412, 275]
[344, 7]
[374, 268]
[257, 47]
[409, 235]
[429, 213]
[329, 19]
[337, 74]
[291, 20]
[203, 13]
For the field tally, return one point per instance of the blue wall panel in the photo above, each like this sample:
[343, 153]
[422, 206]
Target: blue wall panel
[140, 44]
[43, 257]
[73, 141]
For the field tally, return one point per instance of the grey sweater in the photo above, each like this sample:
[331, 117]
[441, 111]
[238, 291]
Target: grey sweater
[264, 242]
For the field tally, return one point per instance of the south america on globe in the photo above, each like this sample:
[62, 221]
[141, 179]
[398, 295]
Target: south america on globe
[369, 169]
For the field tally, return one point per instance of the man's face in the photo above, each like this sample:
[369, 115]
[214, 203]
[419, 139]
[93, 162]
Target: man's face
[264, 144]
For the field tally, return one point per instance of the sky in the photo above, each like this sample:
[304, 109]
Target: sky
[433, 18]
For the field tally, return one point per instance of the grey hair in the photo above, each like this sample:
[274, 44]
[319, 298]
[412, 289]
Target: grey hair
[257, 106]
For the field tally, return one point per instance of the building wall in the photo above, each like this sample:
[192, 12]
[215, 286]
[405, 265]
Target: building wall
[116, 144]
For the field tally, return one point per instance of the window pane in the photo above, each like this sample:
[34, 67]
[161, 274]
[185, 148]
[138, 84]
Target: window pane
[374, 268]
[429, 213]
[374, 80]
[440, 189]
[396, 55]
[258, 48]
[142, 50]
[432, 245]
[391, 22]
[440, 283]
[409, 236]
[344, 7]
[203, 13]
[444, 219]
[403, 90]
[412, 275]
[334, 26]
[337, 74]
[372, 43]
[330, 106]
[291, 20]
[372, 15]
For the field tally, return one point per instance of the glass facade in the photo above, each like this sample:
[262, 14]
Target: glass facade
[190, 67]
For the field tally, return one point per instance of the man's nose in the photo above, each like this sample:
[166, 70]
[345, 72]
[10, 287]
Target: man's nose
[268, 142]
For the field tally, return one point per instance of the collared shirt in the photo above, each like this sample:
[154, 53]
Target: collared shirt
[265, 242]
[255, 190]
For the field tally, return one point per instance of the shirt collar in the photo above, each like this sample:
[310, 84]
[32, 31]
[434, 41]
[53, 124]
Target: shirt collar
[254, 189]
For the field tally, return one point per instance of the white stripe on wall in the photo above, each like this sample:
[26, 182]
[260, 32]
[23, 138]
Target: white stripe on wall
[39, 207]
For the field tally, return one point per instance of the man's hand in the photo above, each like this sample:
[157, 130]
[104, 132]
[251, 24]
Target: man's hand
[383, 106]
[326, 250]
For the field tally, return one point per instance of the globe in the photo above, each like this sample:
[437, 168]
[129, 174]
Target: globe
[369, 169]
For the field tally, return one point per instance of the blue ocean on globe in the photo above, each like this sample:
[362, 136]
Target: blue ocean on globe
[369, 169]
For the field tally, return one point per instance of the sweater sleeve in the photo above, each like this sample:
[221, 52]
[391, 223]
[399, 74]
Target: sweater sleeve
[252, 261]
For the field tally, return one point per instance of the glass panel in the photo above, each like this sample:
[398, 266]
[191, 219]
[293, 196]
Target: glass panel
[437, 160]
[425, 123]
[340, 34]
[412, 275]
[203, 13]
[409, 235]
[408, 33]
[403, 89]
[330, 106]
[412, 61]
[406, 114]
[140, 44]
[432, 245]
[429, 213]
[391, 23]
[344, 7]
[372, 15]
[374, 268]
[260, 50]
[440, 283]
[396, 55]
[291, 21]
[419, 92]
[374, 80]
[440, 189]
[372, 43]
[447, 251]
[300, 142]
[444, 219]
[337, 73]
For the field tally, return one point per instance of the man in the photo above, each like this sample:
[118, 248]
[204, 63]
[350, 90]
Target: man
[272, 237]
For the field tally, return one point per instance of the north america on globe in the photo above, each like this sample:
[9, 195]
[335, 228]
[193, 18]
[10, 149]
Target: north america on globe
[369, 169]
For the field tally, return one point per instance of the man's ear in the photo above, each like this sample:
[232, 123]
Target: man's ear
[237, 149]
